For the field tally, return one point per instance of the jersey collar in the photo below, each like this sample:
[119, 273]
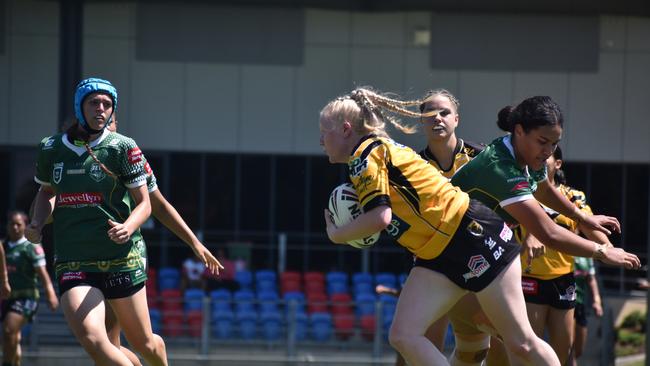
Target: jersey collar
[17, 242]
[507, 140]
[80, 150]
[459, 147]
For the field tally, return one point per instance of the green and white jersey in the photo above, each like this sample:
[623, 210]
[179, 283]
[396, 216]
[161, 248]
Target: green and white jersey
[494, 178]
[86, 197]
[583, 267]
[23, 257]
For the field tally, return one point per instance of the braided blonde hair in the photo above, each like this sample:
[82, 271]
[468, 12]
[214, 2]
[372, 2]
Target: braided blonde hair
[364, 109]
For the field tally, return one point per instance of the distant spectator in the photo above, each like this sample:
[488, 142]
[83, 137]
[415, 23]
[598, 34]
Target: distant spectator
[191, 276]
[225, 279]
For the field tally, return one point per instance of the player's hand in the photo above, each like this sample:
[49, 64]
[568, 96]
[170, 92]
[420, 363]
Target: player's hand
[119, 233]
[601, 223]
[52, 302]
[33, 233]
[331, 227]
[621, 258]
[533, 248]
[210, 261]
[598, 308]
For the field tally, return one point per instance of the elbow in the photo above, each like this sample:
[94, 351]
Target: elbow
[385, 217]
[552, 237]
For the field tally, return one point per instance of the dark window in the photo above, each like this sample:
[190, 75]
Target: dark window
[220, 192]
[290, 183]
[184, 186]
[576, 176]
[255, 192]
[636, 208]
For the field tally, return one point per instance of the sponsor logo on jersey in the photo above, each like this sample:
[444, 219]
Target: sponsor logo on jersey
[38, 250]
[96, 173]
[515, 179]
[363, 183]
[520, 185]
[79, 199]
[358, 166]
[48, 144]
[75, 171]
[147, 169]
[529, 286]
[134, 155]
[57, 172]
[475, 229]
[477, 266]
[506, 233]
[69, 276]
[397, 227]
[489, 242]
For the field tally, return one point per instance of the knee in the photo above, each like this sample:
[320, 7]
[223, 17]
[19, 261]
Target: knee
[471, 352]
[397, 338]
[151, 345]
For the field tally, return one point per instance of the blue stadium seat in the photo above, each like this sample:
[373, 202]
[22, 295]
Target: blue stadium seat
[193, 299]
[222, 324]
[362, 277]
[247, 322]
[363, 288]
[268, 301]
[402, 278]
[272, 325]
[265, 285]
[244, 300]
[156, 320]
[298, 298]
[265, 275]
[169, 278]
[321, 326]
[221, 299]
[386, 279]
[302, 322]
[365, 304]
[337, 282]
[244, 279]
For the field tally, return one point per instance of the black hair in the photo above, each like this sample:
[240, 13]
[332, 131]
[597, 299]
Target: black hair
[559, 177]
[531, 113]
[22, 214]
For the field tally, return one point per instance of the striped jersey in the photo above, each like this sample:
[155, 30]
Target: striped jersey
[426, 208]
[463, 153]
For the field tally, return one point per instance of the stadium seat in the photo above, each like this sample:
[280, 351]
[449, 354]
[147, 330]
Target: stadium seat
[265, 285]
[297, 298]
[365, 304]
[171, 299]
[337, 282]
[156, 320]
[152, 278]
[317, 303]
[265, 275]
[363, 288]
[362, 277]
[172, 321]
[343, 326]
[387, 279]
[221, 299]
[321, 326]
[169, 278]
[341, 304]
[402, 278]
[272, 325]
[194, 323]
[367, 326]
[244, 300]
[301, 321]
[291, 279]
[222, 324]
[193, 298]
[247, 323]
[244, 279]
[314, 287]
[313, 276]
[268, 301]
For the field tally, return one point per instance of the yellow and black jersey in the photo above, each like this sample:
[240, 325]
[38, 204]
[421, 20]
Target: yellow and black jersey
[426, 208]
[463, 153]
[554, 264]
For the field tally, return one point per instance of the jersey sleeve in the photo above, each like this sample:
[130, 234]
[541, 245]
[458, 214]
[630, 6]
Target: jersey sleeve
[36, 255]
[43, 169]
[508, 185]
[579, 199]
[369, 175]
[540, 175]
[131, 165]
[152, 183]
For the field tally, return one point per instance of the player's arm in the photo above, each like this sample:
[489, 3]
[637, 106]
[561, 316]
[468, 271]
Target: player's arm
[43, 206]
[553, 198]
[52, 300]
[530, 214]
[366, 224]
[121, 232]
[169, 216]
[595, 294]
[5, 288]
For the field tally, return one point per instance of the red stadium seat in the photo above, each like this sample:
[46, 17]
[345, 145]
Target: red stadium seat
[195, 323]
[290, 282]
[317, 303]
[368, 327]
[341, 304]
[172, 322]
[171, 299]
[344, 326]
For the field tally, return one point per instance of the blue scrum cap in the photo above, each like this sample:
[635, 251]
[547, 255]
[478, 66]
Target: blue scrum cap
[87, 87]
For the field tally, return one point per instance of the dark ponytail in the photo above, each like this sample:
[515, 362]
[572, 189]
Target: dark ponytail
[531, 113]
[504, 120]
[559, 177]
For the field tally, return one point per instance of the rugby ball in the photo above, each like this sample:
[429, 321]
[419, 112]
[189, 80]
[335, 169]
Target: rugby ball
[344, 207]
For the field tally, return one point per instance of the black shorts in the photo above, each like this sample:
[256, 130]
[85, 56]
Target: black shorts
[114, 285]
[25, 307]
[558, 293]
[580, 315]
[482, 247]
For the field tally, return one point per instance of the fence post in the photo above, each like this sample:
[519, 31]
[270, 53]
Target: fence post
[291, 328]
[379, 329]
[607, 345]
[205, 326]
